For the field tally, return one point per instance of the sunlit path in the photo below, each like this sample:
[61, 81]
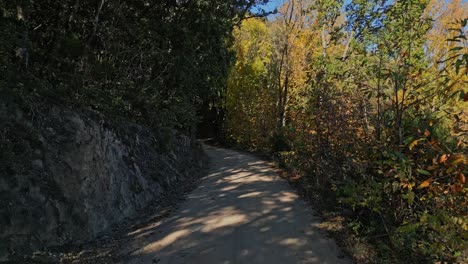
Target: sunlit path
[241, 213]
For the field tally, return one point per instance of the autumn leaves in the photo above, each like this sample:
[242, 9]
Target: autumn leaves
[369, 97]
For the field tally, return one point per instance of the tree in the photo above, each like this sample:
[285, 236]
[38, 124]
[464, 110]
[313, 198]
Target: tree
[153, 62]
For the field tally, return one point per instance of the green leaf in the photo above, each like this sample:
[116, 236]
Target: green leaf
[408, 140]
[408, 228]
[424, 172]
[456, 48]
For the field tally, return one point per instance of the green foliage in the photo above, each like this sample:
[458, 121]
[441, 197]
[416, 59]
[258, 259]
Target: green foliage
[375, 115]
[153, 62]
[460, 59]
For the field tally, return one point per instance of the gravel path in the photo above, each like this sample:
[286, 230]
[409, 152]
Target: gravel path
[242, 212]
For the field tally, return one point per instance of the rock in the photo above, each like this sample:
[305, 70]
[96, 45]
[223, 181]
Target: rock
[37, 163]
[44, 257]
[4, 254]
[71, 175]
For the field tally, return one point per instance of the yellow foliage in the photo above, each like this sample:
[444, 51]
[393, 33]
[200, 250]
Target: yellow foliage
[413, 144]
[457, 159]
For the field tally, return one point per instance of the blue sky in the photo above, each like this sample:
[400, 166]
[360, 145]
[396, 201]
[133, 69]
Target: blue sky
[272, 4]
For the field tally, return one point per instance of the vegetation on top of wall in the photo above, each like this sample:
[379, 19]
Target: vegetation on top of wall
[153, 62]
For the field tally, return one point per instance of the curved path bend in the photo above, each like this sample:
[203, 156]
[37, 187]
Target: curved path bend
[242, 212]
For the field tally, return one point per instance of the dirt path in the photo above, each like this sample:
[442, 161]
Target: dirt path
[242, 212]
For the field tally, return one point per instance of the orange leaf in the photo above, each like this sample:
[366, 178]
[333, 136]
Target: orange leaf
[427, 133]
[456, 188]
[425, 184]
[461, 177]
[465, 98]
[443, 158]
[434, 143]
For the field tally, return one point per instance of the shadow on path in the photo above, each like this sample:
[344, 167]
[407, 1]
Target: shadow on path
[242, 212]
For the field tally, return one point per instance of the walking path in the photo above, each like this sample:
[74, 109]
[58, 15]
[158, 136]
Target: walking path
[242, 212]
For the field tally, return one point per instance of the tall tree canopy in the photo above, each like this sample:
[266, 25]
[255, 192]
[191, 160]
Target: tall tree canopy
[151, 61]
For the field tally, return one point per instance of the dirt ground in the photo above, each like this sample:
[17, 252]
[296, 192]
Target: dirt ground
[242, 212]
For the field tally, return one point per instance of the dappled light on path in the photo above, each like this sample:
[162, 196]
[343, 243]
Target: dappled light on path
[242, 212]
